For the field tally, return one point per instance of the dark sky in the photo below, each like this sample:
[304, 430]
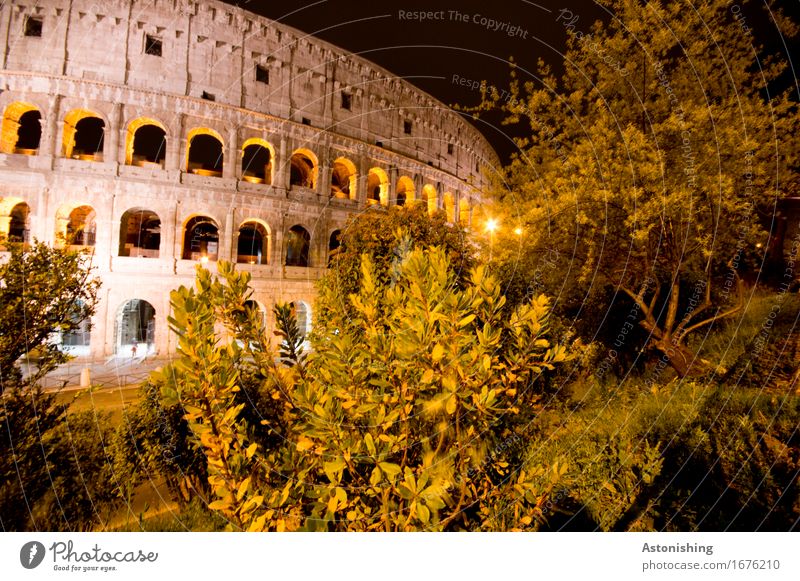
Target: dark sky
[429, 53]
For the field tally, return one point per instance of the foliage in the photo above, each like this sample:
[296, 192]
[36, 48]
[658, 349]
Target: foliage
[643, 170]
[385, 236]
[408, 418]
[152, 441]
[35, 304]
[54, 472]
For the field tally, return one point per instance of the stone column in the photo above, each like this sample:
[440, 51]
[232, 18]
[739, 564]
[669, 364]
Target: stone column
[111, 145]
[392, 194]
[281, 166]
[231, 165]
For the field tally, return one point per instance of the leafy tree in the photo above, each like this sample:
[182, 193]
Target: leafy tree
[43, 291]
[385, 236]
[53, 471]
[646, 165]
[408, 418]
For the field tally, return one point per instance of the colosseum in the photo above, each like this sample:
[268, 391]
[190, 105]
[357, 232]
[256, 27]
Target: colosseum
[162, 133]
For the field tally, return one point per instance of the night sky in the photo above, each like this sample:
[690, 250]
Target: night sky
[429, 53]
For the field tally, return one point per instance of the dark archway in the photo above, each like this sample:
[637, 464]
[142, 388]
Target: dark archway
[298, 244]
[140, 233]
[253, 244]
[205, 155]
[200, 239]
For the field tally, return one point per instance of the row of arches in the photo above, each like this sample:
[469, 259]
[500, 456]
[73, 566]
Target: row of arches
[135, 328]
[146, 146]
[140, 235]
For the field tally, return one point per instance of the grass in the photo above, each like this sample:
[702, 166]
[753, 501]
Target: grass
[108, 400]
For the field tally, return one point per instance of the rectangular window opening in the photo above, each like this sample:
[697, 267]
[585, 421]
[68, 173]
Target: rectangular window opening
[33, 26]
[306, 121]
[262, 74]
[407, 127]
[208, 96]
[346, 100]
[152, 45]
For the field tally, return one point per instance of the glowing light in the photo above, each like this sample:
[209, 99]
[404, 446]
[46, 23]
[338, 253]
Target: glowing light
[204, 259]
[491, 225]
[758, 245]
[518, 231]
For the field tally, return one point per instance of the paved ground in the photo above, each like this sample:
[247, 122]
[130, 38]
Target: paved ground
[112, 372]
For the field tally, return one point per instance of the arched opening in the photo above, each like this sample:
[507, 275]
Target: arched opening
[19, 224]
[430, 195]
[260, 310]
[84, 134]
[253, 244]
[343, 179]
[303, 171]
[140, 233]
[145, 143]
[405, 190]
[377, 187]
[77, 341]
[257, 162]
[450, 207]
[463, 211]
[136, 328]
[200, 239]
[298, 244]
[21, 129]
[80, 228]
[334, 243]
[302, 313]
[204, 156]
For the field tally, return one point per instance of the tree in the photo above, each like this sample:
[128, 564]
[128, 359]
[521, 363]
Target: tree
[647, 166]
[43, 291]
[53, 471]
[384, 236]
[413, 416]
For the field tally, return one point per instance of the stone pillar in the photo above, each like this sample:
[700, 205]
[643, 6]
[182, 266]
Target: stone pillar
[168, 233]
[172, 159]
[228, 236]
[231, 163]
[111, 145]
[392, 195]
[324, 181]
[282, 166]
[363, 178]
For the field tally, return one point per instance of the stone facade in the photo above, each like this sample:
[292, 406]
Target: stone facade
[162, 133]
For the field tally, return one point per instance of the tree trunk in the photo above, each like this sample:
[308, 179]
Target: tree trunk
[682, 359]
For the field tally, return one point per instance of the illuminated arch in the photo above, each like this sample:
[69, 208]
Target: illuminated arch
[298, 246]
[136, 328]
[21, 130]
[254, 244]
[450, 207]
[377, 187]
[145, 142]
[84, 135]
[76, 225]
[343, 179]
[258, 158]
[205, 152]
[334, 244]
[200, 238]
[140, 233]
[431, 196]
[304, 168]
[405, 191]
[464, 211]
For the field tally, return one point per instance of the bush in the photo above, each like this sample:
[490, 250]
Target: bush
[55, 473]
